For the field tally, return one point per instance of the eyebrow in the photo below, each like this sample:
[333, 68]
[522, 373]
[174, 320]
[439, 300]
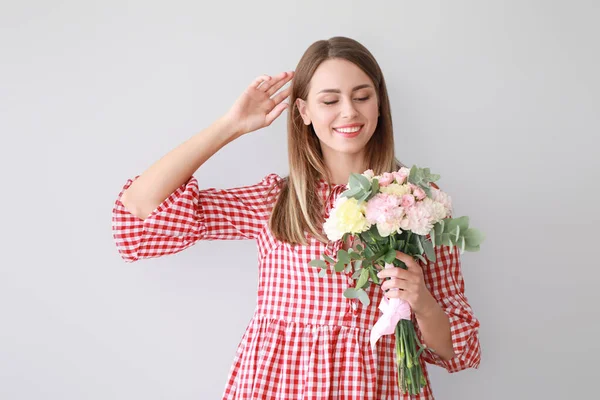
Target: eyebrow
[339, 91]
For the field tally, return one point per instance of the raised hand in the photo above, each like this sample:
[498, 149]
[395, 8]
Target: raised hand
[260, 104]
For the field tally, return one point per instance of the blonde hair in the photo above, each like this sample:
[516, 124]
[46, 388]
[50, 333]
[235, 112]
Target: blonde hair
[299, 210]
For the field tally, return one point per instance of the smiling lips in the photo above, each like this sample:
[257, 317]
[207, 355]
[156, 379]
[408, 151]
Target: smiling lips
[349, 130]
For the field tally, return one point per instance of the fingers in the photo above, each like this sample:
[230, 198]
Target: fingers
[278, 84]
[257, 82]
[275, 112]
[398, 273]
[268, 84]
[406, 259]
[393, 284]
[282, 95]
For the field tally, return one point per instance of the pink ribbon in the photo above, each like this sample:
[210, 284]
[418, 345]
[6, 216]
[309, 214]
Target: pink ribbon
[393, 311]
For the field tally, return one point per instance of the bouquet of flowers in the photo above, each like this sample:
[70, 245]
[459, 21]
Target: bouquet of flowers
[402, 211]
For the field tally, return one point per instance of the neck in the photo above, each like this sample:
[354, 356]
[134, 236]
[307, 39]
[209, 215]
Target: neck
[341, 166]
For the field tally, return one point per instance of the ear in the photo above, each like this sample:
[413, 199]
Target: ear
[301, 104]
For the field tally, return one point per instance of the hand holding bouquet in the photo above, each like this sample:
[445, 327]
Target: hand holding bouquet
[399, 211]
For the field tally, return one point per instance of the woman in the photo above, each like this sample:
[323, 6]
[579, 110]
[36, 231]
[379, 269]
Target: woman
[305, 339]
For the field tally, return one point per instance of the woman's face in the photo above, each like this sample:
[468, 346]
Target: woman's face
[342, 106]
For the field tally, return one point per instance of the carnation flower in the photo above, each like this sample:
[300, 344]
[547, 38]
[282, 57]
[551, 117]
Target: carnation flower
[345, 216]
[385, 211]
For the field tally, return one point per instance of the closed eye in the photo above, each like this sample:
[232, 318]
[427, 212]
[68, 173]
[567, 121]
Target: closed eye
[359, 99]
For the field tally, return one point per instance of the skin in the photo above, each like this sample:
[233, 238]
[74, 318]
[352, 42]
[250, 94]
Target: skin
[326, 110]
[409, 285]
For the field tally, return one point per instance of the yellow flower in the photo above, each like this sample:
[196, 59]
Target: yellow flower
[347, 216]
[395, 189]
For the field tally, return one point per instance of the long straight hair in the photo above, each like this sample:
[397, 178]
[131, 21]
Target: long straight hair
[298, 211]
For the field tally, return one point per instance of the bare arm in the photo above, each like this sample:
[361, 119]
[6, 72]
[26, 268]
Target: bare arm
[255, 109]
[175, 168]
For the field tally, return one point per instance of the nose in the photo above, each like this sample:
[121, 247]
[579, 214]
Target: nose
[348, 110]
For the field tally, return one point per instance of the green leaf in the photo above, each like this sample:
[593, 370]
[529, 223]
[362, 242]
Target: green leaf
[452, 223]
[439, 227]
[358, 264]
[364, 197]
[363, 181]
[473, 237]
[339, 266]
[318, 263]
[363, 297]
[364, 276]
[461, 244]
[373, 275]
[351, 293]
[375, 186]
[352, 192]
[342, 256]
[390, 256]
[348, 268]
[322, 273]
[329, 259]
[354, 255]
[429, 248]
[471, 248]
[359, 247]
[419, 243]
[356, 274]
[420, 257]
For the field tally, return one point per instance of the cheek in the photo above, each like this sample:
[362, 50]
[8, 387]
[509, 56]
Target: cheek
[324, 118]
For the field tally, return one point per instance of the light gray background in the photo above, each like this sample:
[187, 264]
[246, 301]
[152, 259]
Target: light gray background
[500, 98]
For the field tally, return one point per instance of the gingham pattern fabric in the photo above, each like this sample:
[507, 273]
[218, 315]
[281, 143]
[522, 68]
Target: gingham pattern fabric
[305, 340]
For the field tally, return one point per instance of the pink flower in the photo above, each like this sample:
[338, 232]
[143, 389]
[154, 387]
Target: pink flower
[407, 201]
[386, 179]
[419, 218]
[419, 193]
[401, 175]
[385, 211]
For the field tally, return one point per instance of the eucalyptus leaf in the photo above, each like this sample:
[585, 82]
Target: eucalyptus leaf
[363, 297]
[357, 264]
[375, 186]
[339, 266]
[364, 276]
[318, 263]
[363, 181]
[420, 257]
[419, 243]
[452, 223]
[471, 248]
[473, 237]
[322, 273]
[429, 248]
[351, 293]
[352, 192]
[329, 259]
[342, 256]
[364, 197]
[356, 274]
[359, 247]
[461, 244]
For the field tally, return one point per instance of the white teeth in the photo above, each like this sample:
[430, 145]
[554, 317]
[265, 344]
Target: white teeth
[348, 130]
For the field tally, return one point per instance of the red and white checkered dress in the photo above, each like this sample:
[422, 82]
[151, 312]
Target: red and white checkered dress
[305, 340]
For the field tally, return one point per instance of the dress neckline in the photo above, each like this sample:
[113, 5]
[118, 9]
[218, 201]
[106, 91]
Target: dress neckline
[323, 183]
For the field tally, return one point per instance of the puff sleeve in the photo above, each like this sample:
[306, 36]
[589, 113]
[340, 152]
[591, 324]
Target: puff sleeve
[190, 214]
